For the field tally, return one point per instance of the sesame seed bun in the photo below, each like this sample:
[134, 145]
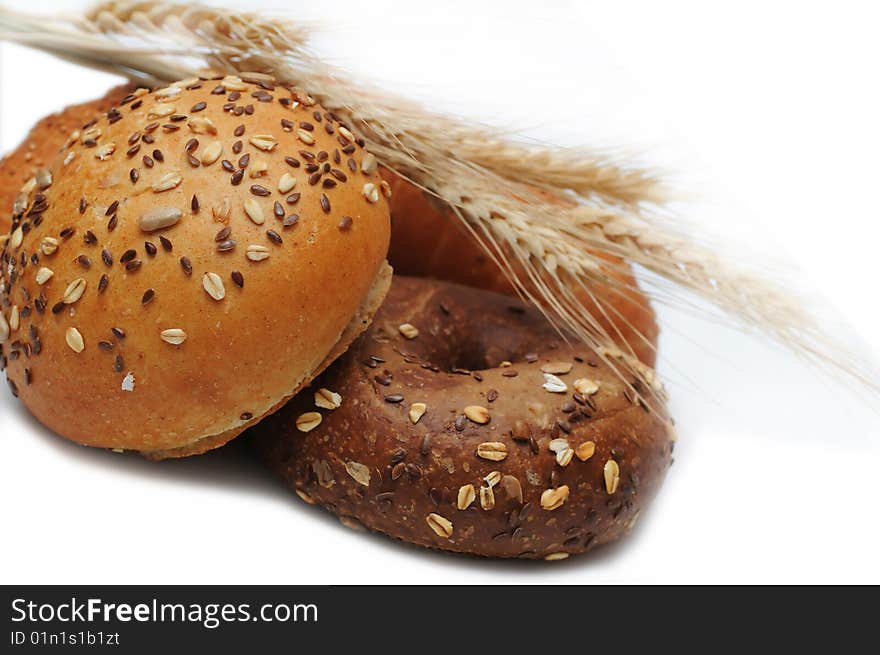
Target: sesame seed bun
[187, 262]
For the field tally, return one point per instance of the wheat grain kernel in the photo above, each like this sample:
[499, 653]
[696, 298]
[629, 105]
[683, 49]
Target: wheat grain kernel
[49, 246]
[213, 284]
[553, 384]
[611, 471]
[233, 83]
[555, 557]
[477, 414]
[408, 330]
[308, 421]
[466, 496]
[370, 192]
[441, 526]
[487, 498]
[258, 169]
[254, 211]
[212, 153]
[74, 340]
[257, 253]
[43, 178]
[159, 218]
[286, 183]
[74, 291]
[174, 336]
[326, 399]
[557, 368]
[43, 275]
[167, 182]
[160, 110]
[369, 163]
[16, 238]
[585, 386]
[558, 445]
[202, 125]
[358, 472]
[105, 151]
[417, 411]
[586, 450]
[563, 457]
[494, 451]
[264, 142]
[554, 498]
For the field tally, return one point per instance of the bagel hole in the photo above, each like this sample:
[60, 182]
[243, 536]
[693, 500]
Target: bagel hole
[508, 340]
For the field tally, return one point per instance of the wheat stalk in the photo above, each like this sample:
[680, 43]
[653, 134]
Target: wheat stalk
[548, 252]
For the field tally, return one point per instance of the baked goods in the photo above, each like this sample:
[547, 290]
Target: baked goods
[461, 421]
[427, 240]
[42, 144]
[436, 440]
[187, 262]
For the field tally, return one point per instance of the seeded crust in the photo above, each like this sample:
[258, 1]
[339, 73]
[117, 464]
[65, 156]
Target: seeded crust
[452, 255]
[449, 254]
[382, 461]
[42, 144]
[426, 239]
[188, 291]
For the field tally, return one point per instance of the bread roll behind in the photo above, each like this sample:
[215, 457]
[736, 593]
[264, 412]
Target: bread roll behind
[427, 240]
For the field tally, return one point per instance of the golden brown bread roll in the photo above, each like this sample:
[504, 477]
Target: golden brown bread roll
[461, 421]
[427, 241]
[42, 144]
[187, 262]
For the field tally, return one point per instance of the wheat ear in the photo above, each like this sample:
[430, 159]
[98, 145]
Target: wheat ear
[488, 181]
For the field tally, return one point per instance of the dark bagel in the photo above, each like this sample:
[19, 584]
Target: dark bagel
[379, 461]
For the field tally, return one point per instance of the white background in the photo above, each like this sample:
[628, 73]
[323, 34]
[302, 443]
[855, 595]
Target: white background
[768, 117]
